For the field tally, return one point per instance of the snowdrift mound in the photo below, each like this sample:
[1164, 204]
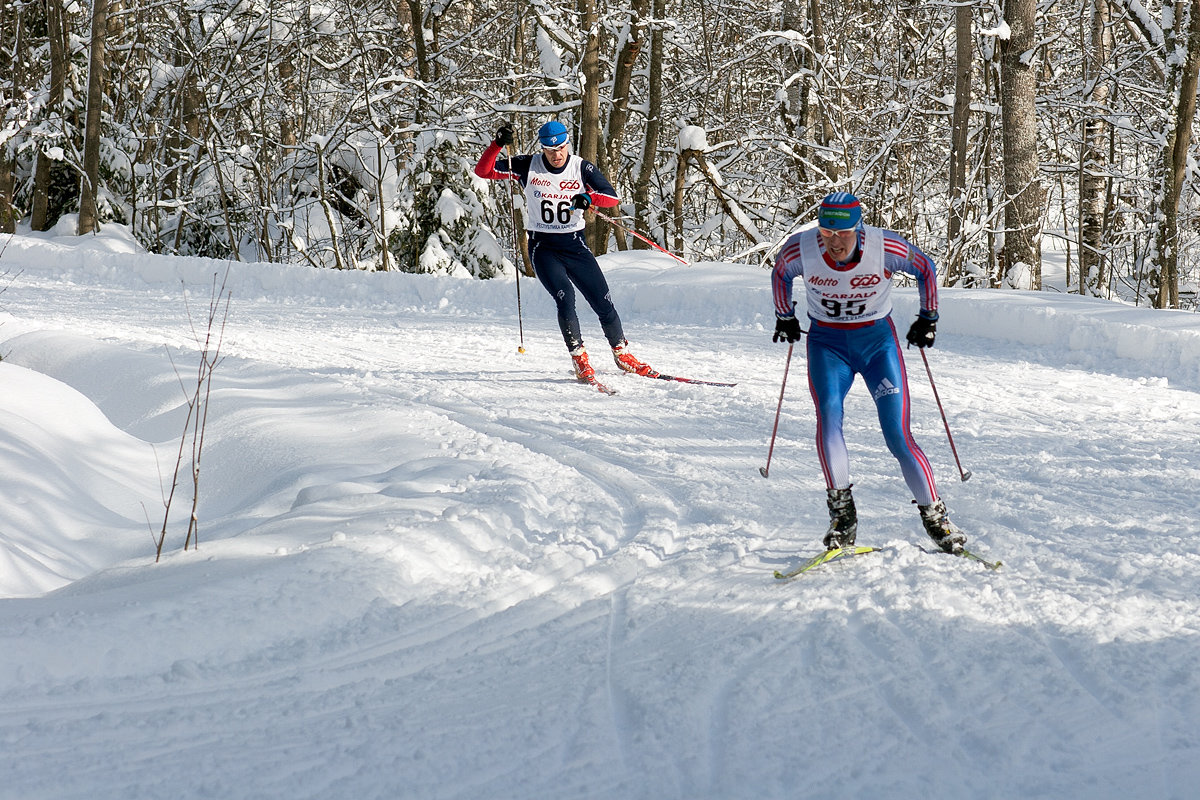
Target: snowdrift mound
[74, 485]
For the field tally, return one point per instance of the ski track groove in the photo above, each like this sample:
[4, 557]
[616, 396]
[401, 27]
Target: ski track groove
[746, 665]
[924, 726]
[619, 705]
[1055, 650]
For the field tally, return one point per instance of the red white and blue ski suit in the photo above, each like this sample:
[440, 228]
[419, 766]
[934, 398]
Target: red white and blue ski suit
[851, 332]
[561, 258]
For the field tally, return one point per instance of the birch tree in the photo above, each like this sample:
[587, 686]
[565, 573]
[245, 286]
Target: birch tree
[1093, 201]
[964, 68]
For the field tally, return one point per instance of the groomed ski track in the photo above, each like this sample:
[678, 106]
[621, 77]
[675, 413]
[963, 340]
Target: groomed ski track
[433, 567]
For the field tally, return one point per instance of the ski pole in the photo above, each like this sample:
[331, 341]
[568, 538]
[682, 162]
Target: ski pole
[964, 474]
[512, 216]
[764, 471]
[653, 244]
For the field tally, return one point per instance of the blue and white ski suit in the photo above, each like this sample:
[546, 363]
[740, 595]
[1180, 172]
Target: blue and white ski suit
[851, 333]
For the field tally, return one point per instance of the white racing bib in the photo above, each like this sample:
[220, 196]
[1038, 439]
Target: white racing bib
[548, 196]
[859, 294]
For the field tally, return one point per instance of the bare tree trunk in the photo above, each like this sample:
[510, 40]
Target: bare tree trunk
[332, 219]
[988, 179]
[13, 43]
[43, 167]
[423, 73]
[287, 119]
[795, 85]
[516, 206]
[184, 145]
[1022, 185]
[8, 211]
[817, 117]
[88, 195]
[964, 64]
[726, 202]
[1093, 153]
[623, 70]
[677, 203]
[1175, 152]
[641, 187]
[589, 110]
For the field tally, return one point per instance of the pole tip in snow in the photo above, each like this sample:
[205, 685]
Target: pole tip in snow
[762, 471]
[966, 476]
[522, 350]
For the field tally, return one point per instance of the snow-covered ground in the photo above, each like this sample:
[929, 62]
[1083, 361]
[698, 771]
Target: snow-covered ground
[432, 567]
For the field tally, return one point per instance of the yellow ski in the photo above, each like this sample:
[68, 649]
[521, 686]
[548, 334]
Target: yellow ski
[824, 558]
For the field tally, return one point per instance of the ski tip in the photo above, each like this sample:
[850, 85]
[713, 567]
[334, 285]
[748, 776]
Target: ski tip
[992, 565]
[600, 387]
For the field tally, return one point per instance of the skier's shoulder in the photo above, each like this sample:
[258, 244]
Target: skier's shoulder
[894, 243]
[588, 169]
[793, 247]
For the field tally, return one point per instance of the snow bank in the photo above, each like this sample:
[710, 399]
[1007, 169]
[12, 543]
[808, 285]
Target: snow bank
[651, 288]
[1087, 332]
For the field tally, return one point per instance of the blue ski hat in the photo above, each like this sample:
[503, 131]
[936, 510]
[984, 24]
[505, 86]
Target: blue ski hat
[552, 134]
[840, 211]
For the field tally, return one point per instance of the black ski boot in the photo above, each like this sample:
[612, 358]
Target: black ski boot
[945, 534]
[843, 519]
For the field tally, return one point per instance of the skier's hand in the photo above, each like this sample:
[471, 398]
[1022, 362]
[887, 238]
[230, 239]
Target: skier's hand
[787, 329]
[504, 135]
[923, 330]
[582, 201]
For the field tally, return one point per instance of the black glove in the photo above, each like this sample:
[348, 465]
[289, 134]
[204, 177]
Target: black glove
[582, 200]
[923, 331]
[787, 329]
[504, 135]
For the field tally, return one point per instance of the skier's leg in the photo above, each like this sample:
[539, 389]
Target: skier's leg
[587, 276]
[551, 271]
[829, 379]
[887, 380]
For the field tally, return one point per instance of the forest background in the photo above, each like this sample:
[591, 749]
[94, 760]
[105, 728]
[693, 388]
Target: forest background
[343, 134]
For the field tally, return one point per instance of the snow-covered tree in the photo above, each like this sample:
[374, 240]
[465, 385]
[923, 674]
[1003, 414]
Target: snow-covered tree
[298, 131]
[443, 221]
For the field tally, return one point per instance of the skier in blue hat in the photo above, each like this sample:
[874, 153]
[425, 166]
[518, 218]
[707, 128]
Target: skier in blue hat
[847, 268]
[559, 187]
